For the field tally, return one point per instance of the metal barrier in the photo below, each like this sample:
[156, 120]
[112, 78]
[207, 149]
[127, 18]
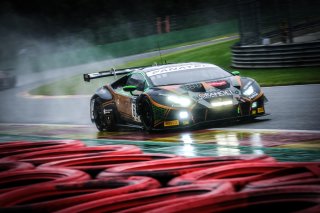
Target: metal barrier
[276, 55]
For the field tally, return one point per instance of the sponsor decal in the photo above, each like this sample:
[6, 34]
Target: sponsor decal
[135, 115]
[208, 95]
[107, 111]
[178, 68]
[260, 110]
[253, 95]
[171, 123]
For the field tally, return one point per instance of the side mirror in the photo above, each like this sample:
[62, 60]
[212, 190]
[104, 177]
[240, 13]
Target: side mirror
[235, 73]
[129, 88]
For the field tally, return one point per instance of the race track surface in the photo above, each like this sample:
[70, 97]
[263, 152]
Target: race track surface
[291, 108]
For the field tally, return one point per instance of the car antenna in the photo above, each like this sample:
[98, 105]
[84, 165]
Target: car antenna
[160, 53]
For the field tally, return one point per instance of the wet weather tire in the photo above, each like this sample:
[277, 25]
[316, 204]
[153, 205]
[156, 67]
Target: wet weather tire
[147, 114]
[103, 123]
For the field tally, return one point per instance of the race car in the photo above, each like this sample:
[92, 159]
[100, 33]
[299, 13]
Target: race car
[179, 95]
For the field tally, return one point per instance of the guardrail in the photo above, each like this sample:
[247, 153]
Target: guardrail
[276, 55]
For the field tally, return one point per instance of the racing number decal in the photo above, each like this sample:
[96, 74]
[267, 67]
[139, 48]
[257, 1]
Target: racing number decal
[135, 115]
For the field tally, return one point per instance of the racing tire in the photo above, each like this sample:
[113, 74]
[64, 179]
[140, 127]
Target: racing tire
[166, 169]
[158, 197]
[102, 122]
[147, 117]
[7, 166]
[13, 180]
[263, 174]
[53, 155]
[20, 147]
[93, 165]
[52, 197]
[285, 199]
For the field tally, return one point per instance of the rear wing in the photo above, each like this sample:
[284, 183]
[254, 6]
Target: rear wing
[113, 72]
[87, 77]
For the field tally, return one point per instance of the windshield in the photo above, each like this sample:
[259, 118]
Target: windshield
[188, 76]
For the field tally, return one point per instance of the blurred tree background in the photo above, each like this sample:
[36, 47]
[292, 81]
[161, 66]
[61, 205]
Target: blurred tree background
[37, 35]
[115, 20]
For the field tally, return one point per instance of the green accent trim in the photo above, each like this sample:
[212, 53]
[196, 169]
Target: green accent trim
[129, 88]
[235, 73]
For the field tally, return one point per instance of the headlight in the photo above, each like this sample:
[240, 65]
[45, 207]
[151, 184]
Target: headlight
[181, 101]
[249, 91]
[221, 103]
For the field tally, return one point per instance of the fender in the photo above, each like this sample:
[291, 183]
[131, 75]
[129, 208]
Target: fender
[138, 104]
[103, 93]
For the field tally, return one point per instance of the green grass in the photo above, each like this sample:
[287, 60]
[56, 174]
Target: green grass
[218, 54]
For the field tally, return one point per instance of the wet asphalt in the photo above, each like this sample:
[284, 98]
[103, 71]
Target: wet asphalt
[290, 107]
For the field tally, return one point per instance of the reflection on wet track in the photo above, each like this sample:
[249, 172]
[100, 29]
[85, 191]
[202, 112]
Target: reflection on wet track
[284, 145]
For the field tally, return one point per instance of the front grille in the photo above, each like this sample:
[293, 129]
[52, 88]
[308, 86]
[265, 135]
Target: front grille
[200, 115]
[222, 113]
[245, 108]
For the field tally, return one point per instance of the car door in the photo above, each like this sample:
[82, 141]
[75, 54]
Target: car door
[126, 102]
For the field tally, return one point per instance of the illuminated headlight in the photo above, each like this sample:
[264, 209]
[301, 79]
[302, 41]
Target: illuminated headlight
[183, 115]
[221, 103]
[182, 101]
[248, 91]
[254, 105]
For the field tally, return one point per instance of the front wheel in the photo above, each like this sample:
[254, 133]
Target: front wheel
[147, 114]
[104, 118]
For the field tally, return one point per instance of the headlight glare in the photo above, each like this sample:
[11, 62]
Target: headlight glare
[182, 101]
[249, 91]
[183, 115]
[221, 103]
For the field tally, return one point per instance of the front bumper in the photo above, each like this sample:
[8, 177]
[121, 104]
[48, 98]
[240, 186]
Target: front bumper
[201, 115]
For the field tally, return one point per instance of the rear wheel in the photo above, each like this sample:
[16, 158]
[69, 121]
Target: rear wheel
[103, 117]
[147, 114]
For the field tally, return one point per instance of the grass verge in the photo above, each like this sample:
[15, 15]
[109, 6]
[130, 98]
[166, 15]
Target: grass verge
[218, 54]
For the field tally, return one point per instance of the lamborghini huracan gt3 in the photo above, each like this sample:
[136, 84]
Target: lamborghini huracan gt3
[177, 95]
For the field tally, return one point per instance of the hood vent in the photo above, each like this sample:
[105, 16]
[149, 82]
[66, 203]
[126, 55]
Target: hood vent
[219, 84]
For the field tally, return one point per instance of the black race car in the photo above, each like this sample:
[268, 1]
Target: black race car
[174, 96]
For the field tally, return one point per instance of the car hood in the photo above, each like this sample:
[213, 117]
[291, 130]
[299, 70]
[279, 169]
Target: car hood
[201, 90]
[205, 92]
